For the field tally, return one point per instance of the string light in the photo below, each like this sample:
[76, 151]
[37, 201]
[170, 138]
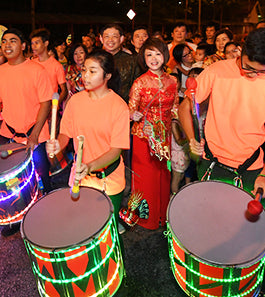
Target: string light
[259, 271]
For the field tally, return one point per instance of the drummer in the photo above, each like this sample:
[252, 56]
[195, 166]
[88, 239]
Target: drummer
[102, 117]
[26, 93]
[234, 129]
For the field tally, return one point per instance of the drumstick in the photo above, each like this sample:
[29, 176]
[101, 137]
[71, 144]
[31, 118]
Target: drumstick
[55, 99]
[255, 208]
[191, 85]
[7, 153]
[75, 193]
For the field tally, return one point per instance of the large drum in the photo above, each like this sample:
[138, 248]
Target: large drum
[18, 183]
[73, 245]
[214, 249]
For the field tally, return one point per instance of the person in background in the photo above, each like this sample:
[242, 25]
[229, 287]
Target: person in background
[210, 31]
[152, 97]
[139, 36]
[221, 38]
[232, 50]
[60, 48]
[26, 93]
[231, 150]
[178, 34]
[200, 55]
[197, 38]
[39, 45]
[73, 72]
[89, 40]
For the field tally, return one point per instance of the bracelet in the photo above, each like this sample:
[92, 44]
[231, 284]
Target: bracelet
[263, 175]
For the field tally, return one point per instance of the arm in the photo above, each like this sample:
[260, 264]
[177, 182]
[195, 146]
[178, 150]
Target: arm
[185, 118]
[42, 115]
[64, 93]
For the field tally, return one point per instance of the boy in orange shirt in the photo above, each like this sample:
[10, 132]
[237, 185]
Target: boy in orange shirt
[25, 92]
[234, 128]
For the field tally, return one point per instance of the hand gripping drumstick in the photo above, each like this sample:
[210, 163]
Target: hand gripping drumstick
[7, 153]
[255, 208]
[75, 193]
[55, 99]
[191, 85]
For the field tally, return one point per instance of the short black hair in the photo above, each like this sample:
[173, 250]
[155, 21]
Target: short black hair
[16, 32]
[72, 51]
[115, 26]
[254, 46]
[228, 33]
[43, 33]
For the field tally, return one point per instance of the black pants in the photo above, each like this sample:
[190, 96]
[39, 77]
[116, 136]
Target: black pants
[218, 173]
[41, 163]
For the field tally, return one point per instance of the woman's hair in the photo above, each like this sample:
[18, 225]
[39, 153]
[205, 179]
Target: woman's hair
[151, 44]
[178, 52]
[228, 33]
[72, 51]
[106, 62]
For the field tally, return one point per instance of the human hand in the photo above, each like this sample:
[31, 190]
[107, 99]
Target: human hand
[53, 147]
[32, 142]
[197, 148]
[81, 172]
[136, 116]
[259, 183]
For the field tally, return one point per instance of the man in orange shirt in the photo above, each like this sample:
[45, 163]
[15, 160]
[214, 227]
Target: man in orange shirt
[234, 128]
[25, 92]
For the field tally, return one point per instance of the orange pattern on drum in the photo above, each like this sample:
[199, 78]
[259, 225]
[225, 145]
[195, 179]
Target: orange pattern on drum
[47, 264]
[90, 290]
[78, 265]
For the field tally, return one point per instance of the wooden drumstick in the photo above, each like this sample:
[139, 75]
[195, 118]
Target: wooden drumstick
[75, 193]
[7, 153]
[55, 99]
[255, 208]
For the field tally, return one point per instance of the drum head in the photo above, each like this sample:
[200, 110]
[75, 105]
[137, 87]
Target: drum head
[208, 220]
[12, 161]
[56, 221]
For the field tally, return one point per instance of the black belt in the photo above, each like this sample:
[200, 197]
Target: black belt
[13, 131]
[107, 171]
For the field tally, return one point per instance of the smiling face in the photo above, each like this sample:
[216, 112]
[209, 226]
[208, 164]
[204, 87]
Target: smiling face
[79, 56]
[221, 41]
[111, 40]
[154, 60]
[93, 75]
[13, 48]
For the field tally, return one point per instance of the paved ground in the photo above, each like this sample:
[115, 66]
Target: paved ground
[146, 261]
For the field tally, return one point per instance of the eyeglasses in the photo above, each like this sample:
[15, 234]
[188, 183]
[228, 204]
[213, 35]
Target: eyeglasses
[189, 53]
[250, 72]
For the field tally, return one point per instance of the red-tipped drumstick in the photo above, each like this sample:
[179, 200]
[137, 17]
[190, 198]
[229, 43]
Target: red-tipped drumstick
[75, 192]
[191, 84]
[255, 208]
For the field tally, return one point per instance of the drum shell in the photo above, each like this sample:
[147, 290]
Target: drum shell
[61, 161]
[199, 276]
[18, 185]
[82, 269]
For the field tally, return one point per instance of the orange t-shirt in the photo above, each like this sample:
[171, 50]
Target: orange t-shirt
[235, 120]
[55, 71]
[22, 88]
[104, 123]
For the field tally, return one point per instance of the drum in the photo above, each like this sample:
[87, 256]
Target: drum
[214, 250]
[73, 245]
[18, 183]
[61, 161]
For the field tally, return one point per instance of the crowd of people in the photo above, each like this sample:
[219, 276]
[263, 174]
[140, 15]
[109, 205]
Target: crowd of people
[130, 101]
